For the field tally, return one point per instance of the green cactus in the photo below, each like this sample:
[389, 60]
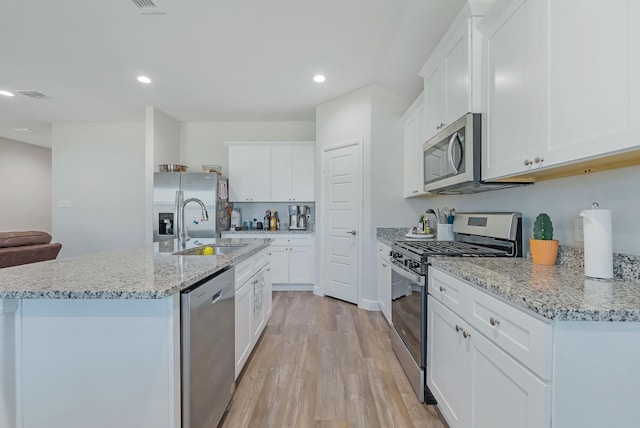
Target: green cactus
[543, 228]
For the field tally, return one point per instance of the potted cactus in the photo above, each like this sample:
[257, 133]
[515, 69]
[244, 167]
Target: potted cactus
[544, 249]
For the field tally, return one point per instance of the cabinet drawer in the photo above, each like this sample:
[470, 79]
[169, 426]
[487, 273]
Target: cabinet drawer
[383, 251]
[260, 259]
[526, 338]
[243, 271]
[293, 241]
[448, 290]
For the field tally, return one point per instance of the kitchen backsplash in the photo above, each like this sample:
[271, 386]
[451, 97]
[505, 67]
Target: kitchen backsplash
[625, 266]
[251, 210]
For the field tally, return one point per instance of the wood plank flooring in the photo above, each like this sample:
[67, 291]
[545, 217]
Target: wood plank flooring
[322, 362]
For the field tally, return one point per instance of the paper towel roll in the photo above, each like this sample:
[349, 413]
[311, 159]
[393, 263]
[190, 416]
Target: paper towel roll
[598, 247]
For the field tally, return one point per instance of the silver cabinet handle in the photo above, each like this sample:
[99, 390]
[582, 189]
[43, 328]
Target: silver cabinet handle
[538, 159]
[442, 289]
[527, 162]
[415, 191]
[466, 335]
[384, 265]
[494, 321]
[458, 328]
[353, 232]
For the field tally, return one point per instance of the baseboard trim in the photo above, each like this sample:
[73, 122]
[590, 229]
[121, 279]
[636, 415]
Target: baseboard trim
[369, 305]
[293, 287]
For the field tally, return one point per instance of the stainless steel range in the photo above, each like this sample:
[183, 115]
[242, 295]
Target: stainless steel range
[477, 235]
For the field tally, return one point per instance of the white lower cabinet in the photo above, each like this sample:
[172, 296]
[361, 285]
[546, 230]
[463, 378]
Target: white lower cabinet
[253, 304]
[476, 383]
[384, 281]
[292, 260]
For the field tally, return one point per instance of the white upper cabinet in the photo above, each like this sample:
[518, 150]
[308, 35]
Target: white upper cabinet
[562, 83]
[293, 172]
[452, 75]
[414, 137]
[249, 173]
[271, 172]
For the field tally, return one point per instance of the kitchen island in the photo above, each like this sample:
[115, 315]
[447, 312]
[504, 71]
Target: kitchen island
[95, 340]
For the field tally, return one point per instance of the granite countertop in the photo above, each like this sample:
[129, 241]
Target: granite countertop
[309, 231]
[146, 273]
[387, 235]
[560, 293]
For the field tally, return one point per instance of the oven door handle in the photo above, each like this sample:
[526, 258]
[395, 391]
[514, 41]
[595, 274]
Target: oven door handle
[418, 279]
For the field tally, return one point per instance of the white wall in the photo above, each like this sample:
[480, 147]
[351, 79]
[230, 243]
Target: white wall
[25, 186]
[563, 199]
[100, 170]
[204, 142]
[371, 114]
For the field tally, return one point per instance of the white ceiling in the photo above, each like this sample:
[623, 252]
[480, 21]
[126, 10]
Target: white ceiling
[210, 60]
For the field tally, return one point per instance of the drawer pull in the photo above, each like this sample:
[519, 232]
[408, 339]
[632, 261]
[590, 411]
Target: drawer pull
[494, 321]
[442, 289]
[466, 335]
[458, 328]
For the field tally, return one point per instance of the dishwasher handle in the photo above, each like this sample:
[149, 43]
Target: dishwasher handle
[216, 297]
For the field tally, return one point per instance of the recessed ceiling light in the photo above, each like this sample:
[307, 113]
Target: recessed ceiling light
[6, 93]
[144, 79]
[25, 130]
[319, 78]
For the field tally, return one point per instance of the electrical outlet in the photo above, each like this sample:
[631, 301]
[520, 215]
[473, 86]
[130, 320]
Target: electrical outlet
[578, 229]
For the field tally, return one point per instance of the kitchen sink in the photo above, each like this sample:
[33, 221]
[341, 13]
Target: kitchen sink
[217, 250]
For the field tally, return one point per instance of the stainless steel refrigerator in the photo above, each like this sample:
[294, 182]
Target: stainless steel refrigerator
[210, 188]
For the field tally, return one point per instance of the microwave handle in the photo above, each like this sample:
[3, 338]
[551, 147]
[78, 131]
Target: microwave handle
[452, 141]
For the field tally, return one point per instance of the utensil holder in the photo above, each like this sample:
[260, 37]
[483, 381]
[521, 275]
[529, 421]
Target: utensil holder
[445, 232]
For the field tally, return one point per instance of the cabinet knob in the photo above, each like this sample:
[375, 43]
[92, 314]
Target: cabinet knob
[527, 162]
[538, 159]
[494, 321]
[384, 265]
[415, 191]
[466, 335]
[353, 232]
[458, 328]
[442, 289]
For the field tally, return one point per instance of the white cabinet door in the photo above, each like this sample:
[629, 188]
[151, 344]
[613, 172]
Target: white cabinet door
[510, 114]
[591, 50]
[384, 288]
[447, 364]
[268, 292]
[240, 173]
[257, 307]
[249, 173]
[504, 394]
[279, 264]
[303, 174]
[301, 264]
[243, 331]
[413, 139]
[457, 95]
[281, 173]
[434, 100]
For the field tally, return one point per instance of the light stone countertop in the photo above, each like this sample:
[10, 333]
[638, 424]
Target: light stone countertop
[561, 293]
[147, 273]
[284, 231]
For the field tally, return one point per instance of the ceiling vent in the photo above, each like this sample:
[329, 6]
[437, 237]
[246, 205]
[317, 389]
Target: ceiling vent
[36, 95]
[147, 6]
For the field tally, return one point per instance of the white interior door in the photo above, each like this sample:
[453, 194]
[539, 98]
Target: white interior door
[342, 206]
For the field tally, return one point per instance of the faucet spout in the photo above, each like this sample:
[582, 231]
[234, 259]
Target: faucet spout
[182, 233]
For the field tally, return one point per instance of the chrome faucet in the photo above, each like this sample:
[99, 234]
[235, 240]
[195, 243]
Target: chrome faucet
[182, 233]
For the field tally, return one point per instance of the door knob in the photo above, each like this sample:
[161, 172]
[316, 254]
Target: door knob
[353, 232]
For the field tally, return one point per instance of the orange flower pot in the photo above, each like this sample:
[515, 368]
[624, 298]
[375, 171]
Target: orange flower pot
[544, 252]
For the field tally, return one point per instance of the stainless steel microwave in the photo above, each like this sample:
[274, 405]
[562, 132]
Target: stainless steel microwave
[453, 160]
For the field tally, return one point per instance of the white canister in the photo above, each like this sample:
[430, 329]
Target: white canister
[445, 232]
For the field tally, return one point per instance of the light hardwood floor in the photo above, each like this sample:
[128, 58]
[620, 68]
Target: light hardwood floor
[322, 362]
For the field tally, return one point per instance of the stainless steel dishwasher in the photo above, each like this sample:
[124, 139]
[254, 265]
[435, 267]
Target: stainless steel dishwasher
[208, 349]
